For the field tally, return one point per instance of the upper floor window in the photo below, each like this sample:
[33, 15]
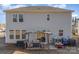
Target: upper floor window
[20, 17]
[14, 17]
[48, 17]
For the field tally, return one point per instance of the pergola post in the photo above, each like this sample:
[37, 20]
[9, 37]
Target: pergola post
[48, 40]
[28, 36]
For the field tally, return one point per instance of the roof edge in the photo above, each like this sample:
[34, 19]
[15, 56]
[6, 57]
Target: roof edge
[38, 6]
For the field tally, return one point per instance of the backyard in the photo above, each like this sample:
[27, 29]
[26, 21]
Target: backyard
[11, 49]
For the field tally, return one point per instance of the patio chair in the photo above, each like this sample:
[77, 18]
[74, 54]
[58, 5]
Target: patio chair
[20, 44]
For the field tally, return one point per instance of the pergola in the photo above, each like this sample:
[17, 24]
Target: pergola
[47, 35]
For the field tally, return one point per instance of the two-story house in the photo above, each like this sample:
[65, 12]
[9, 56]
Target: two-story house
[37, 18]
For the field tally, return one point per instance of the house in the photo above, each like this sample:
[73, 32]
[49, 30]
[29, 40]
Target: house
[37, 19]
[75, 26]
[2, 27]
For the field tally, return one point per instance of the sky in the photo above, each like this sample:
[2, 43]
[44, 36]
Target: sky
[3, 7]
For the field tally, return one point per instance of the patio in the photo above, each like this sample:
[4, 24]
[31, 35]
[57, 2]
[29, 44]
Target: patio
[12, 49]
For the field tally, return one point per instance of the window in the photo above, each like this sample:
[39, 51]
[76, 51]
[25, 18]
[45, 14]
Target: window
[23, 34]
[60, 32]
[48, 17]
[20, 18]
[14, 17]
[41, 36]
[76, 30]
[11, 34]
[17, 34]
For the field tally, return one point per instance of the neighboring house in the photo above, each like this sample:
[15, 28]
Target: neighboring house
[75, 26]
[37, 18]
[2, 27]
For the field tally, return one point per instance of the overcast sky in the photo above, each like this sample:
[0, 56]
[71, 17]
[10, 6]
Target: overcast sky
[74, 7]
